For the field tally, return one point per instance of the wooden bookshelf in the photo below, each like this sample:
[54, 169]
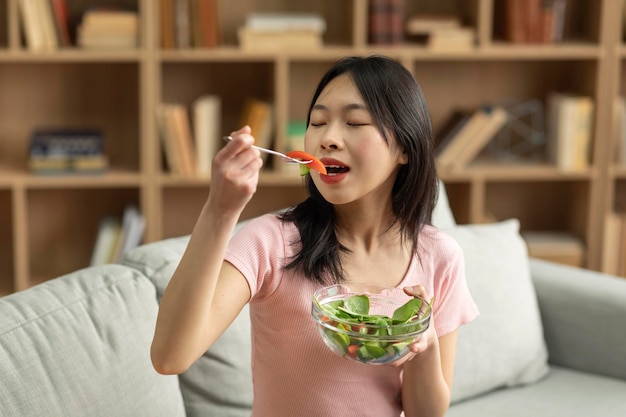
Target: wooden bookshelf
[48, 225]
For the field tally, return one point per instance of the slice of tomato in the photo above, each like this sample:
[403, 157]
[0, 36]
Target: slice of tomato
[316, 165]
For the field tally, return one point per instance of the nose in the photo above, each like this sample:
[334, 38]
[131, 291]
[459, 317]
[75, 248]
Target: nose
[331, 142]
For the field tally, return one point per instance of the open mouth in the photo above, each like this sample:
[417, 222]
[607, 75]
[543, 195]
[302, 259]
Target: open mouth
[336, 169]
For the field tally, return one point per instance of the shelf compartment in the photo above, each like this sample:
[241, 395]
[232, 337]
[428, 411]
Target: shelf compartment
[469, 84]
[70, 95]
[541, 206]
[184, 82]
[63, 242]
[182, 205]
[7, 270]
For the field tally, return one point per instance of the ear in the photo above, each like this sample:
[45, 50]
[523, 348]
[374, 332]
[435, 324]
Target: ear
[403, 158]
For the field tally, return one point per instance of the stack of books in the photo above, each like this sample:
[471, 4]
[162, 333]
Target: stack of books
[54, 152]
[440, 32]
[108, 29]
[278, 31]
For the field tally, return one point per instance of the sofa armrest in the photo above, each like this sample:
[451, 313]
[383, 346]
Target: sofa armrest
[584, 317]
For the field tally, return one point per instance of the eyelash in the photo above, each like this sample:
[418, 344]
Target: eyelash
[349, 124]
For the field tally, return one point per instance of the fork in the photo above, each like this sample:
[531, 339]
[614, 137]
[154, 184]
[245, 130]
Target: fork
[284, 157]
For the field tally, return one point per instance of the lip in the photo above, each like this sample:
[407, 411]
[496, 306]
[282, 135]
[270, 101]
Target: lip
[335, 178]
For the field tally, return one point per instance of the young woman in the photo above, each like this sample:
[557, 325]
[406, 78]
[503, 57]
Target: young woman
[367, 220]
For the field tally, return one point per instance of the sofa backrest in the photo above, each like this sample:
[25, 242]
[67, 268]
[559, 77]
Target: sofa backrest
[79, 345]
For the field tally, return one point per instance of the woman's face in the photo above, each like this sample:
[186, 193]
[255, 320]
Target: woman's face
[343, 135]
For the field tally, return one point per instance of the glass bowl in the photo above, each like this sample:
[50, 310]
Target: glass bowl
[374, 338]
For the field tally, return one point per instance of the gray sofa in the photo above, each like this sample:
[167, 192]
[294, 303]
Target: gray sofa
[550, 341]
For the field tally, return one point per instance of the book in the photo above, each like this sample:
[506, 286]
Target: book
[66, 142]
[61, 21]
[168, 140]
[396, 15]
[285, 22]
[168, 28]
[174, 126]
[108, 29]
[46, 20]
[386, 22]
[451, 39]
[569, 130]
[207, 111]
[182, 24]
[496, 119]
[209, 23]
[426, 23]
[456, 144]
[131, 234]
[450, 128]
[178, 118]
[108, 235]
[32, 26]
[258, 114]
[253, 40]
[531, 21]
[55, 165]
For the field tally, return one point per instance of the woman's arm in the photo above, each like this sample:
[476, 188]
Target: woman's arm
[427, 377]
[205, 293]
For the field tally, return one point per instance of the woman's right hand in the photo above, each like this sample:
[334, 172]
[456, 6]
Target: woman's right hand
[235, 173]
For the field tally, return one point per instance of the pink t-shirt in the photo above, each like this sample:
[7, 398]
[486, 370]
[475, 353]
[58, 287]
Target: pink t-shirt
[294, 373]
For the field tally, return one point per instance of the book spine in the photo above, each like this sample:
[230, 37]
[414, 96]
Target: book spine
[395, 12]
[379, 22]
[61, 20]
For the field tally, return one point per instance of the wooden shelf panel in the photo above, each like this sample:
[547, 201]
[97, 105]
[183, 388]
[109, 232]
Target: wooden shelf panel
[493, 172]
[113, 178]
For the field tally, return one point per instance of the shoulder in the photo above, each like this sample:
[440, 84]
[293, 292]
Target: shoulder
[267, 229]
[437, 242]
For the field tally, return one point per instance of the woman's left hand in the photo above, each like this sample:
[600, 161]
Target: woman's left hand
[428, 339]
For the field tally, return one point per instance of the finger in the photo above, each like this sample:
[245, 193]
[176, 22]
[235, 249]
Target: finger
[416, 291]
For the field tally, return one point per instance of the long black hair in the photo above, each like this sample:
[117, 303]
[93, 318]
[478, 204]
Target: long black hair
[399, 108]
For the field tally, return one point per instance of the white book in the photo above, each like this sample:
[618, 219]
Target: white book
[108, 233]
[133, 226]
[207, 131]
[271, 22]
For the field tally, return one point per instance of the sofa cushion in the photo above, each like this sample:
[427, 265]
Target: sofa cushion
[504, 346]
[442, 213]
[219, 384]
[564, 392]
[79, 345]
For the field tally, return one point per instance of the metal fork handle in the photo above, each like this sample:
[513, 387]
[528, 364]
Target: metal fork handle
[287, 159]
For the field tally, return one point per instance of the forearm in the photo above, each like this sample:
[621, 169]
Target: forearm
[425, 392]
[180, 335]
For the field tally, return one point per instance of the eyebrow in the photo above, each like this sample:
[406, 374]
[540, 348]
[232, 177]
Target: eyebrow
[351, 106]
